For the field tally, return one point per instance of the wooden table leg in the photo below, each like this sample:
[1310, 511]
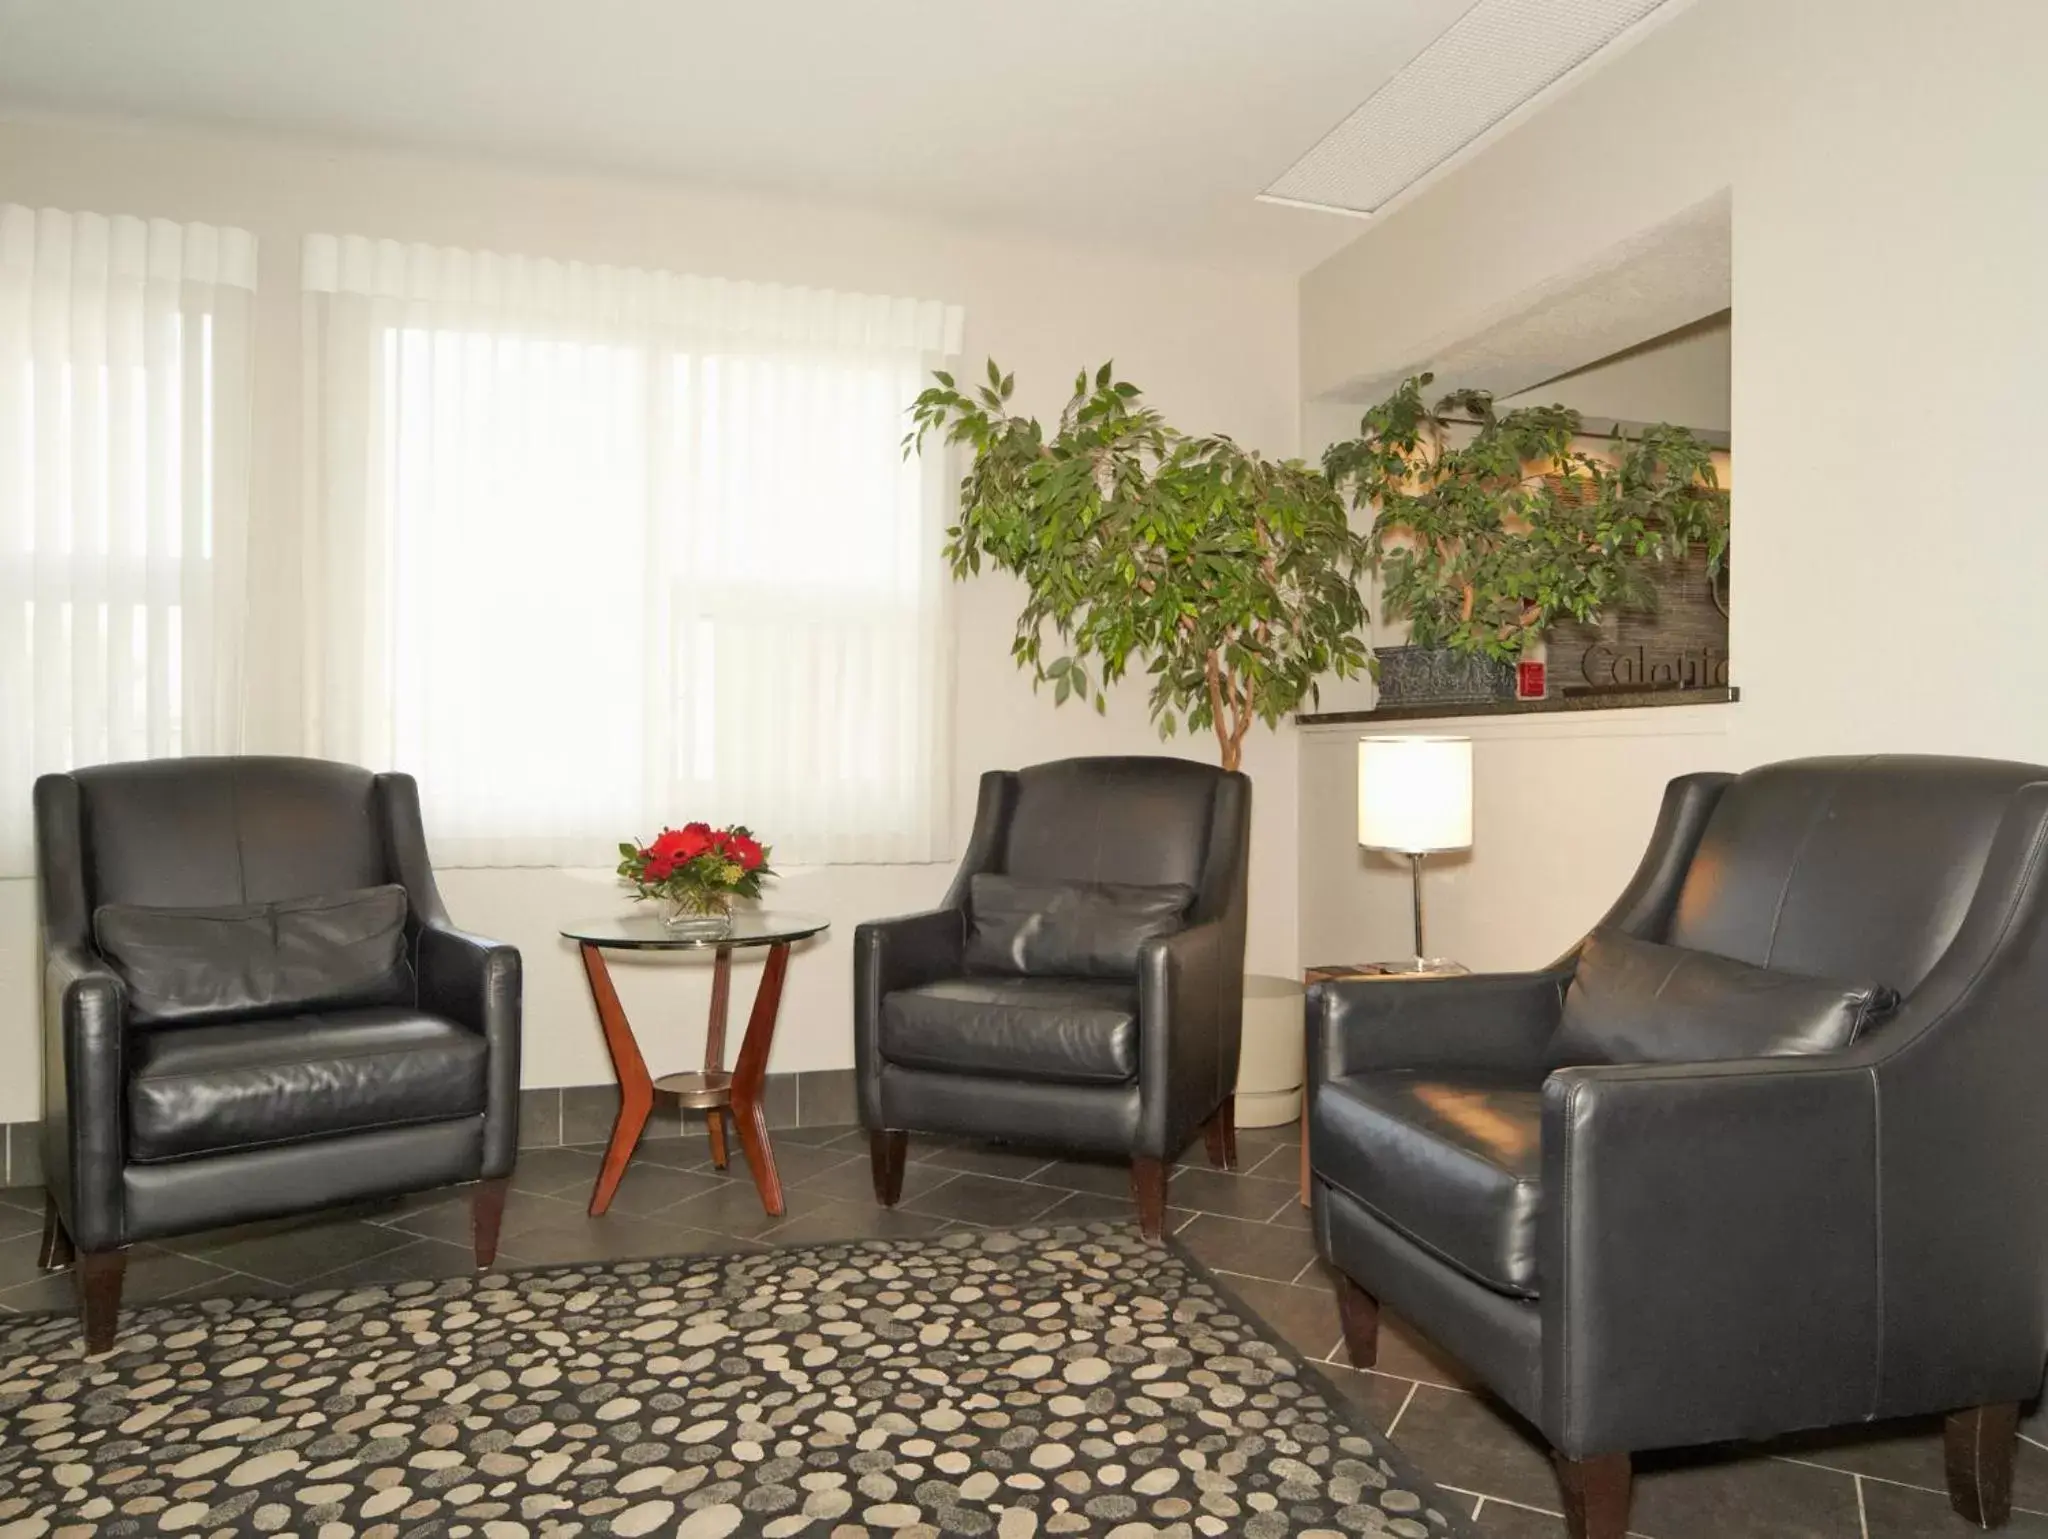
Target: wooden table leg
[636, 1088]
[714, 1049]
[748, 1075]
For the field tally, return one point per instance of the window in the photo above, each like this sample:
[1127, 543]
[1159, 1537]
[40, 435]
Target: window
[609, 549]
[124, 405]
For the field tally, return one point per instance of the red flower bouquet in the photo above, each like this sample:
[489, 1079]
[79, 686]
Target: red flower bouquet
[696, 871]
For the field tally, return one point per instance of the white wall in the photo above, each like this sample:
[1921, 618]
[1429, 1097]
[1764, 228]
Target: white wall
[1559, 820]
[1216, 350]
[1682, 377]
[1891, 328]
[1889, 324]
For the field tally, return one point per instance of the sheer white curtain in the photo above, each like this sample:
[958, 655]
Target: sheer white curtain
[596, 549]
[124, 484]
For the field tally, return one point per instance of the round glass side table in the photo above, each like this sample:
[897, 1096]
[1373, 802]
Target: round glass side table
[713, 1090]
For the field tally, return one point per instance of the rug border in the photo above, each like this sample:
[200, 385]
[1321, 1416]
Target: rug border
[737, 1248]
[1312, 1370]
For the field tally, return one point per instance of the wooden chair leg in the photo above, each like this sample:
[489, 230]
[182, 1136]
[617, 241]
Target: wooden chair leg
[1148, 1185]
[1978, 1447]
[1359, 1313]
[56, 1251]
[714, 1124]
[886, 1154]
[98, 1274]
[1596, 1495]
[1220, 1134]
[486, 1215]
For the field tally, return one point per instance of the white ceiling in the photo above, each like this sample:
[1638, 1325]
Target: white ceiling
[1492, 60]
[1148, 123]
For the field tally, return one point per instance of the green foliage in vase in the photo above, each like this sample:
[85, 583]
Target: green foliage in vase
[1234, 580]
[1482, 546]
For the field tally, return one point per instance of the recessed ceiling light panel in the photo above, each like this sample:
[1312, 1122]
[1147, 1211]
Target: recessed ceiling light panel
[1487, 63]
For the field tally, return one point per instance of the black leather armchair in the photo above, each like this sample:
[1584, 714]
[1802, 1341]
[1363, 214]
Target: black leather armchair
[1641, 1255]
[286, 1020]
[1056, 998]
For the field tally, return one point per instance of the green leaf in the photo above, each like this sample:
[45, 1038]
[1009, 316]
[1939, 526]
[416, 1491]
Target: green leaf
[1519, 522]
[1140, 545]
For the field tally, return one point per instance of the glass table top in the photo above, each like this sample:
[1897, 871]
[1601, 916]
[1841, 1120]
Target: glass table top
[644, 931]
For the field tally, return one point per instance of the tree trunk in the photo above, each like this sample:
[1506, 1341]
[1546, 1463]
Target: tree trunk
[1230, 712]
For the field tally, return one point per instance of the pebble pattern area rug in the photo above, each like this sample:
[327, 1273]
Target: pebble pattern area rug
[1038, 1381]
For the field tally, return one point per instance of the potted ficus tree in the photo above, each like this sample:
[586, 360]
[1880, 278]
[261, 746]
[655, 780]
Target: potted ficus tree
[1482, 545]
[1233, 580]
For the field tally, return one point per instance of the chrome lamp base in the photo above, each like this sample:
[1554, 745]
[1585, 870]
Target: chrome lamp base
[1421, 965]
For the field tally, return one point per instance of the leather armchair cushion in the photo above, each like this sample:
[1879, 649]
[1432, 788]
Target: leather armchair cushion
[247, 959]
[1050, 929]
[1077, 1031]
[248, 1084]
[1452, 1161]
[1633, 1001]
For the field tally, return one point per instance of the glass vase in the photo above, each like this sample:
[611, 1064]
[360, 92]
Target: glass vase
[697, 911]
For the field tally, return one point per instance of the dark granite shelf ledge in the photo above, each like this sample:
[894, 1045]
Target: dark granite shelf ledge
[1553, 705]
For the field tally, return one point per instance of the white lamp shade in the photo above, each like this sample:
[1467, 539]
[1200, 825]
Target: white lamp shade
[1415, 793]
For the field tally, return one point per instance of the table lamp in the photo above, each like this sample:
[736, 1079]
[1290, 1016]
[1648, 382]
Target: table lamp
[1415, 799]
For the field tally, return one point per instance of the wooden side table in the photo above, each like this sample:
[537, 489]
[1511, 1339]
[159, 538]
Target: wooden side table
[1389, 972]
[713, 1089]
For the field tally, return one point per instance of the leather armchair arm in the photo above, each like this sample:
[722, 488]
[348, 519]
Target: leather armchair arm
[1714, 1226]
[85, 1027]
[468, 979]
[1182, 985]
[902, 953]
[1481, 1021]
[891, 954]
[1178, 978]
[477, 983]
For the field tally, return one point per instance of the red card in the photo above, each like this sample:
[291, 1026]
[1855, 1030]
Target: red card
[1529, 682]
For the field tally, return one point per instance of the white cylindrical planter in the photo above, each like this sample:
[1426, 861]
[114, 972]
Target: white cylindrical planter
[1269, 1064]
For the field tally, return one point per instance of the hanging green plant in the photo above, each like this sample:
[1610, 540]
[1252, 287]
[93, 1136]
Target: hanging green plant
[1232, 579]
[1481, 546]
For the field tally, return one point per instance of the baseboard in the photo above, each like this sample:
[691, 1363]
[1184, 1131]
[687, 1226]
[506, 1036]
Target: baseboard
[574, 1114]
[583, 1114]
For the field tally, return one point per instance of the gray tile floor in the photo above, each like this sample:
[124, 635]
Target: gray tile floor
[1246, 1226]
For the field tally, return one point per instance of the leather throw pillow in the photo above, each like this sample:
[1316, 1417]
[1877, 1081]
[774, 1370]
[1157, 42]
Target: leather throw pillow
[1633, 1001]
[185, 965]
[1067, 929]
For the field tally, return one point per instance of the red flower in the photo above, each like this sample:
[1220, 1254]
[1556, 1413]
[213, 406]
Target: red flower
[696, 853]
[680, 846]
